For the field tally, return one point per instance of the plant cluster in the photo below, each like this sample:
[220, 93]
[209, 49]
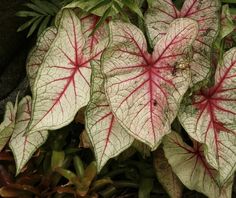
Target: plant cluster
[162, 80]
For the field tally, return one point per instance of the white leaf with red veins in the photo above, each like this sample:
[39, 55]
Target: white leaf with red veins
[190, 165]
[162, 12]
[8, 123]
[38, 53]
[62, 86]
[22, 146]
[210, 118]
[95, 44]
[109, 139]
[144, 90]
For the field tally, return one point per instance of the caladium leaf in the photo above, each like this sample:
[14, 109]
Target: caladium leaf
[8, 124]
[22, 146]
[62, 85]
[210, 117]
[166, 176]
[162, 12]
[227, 24]
[109, 139]
[38, 53]
[190, 165]
[95, 43]
[144, 90]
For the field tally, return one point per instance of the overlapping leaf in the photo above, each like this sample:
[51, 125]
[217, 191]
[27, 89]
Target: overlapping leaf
[22, 146]
[210, 117]
[166, 176]
[144, 90]
[62, 85]
[38, 53]
[161, 13]
[109, 139]
[227, 24]
[190, 166]
[85, 5]
[8, 124]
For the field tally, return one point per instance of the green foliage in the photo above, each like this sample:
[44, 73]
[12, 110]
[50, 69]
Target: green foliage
[40, 14]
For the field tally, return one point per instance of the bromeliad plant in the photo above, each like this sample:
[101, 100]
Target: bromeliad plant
[134, 84]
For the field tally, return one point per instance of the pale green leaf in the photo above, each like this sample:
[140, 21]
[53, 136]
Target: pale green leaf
[58, 158]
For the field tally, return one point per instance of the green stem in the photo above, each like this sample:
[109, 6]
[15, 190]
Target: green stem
[125, 184]
[116, 172]
[108, 192]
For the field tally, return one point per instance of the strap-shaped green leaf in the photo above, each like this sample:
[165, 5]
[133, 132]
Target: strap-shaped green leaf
[36, 8]
[48, 7]
[132, 5]
[27, 24]
[98, 5]
[43, 25]
[34, 26]
[27, 14]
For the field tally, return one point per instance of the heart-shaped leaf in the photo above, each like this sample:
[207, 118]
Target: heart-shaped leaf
[162, 12]
[109, 139]
[144, 90]
[62, 85]
[38, 53]
[8, 124]
[22, 146]
[190, 166]
[210, 117]
[227, 24]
